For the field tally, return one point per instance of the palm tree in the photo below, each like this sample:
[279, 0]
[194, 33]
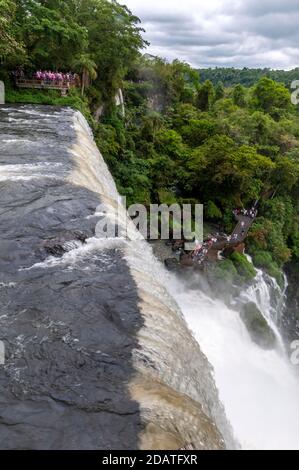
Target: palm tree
[87, 68]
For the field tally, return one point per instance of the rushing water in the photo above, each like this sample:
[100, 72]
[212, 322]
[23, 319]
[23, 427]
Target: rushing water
[258, 388]
[98, 350]
[98, 355]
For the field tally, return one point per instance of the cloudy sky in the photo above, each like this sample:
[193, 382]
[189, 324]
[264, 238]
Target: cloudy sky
[209, 33]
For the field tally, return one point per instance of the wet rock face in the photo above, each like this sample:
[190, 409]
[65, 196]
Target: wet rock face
[63, 243]
[68, 324]
[68, 352]
[172, 264]
[259, 330]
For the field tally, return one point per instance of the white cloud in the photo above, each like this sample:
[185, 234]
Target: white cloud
[239, 33]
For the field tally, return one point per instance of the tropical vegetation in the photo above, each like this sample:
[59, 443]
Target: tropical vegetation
[223, 137]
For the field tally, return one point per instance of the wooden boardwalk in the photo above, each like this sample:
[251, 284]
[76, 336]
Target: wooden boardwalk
[242, 228]
[62, 86]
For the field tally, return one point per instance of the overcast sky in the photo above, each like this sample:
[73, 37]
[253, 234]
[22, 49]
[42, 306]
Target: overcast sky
[209, 33]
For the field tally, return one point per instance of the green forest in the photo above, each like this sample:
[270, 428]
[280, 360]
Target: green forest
[222, 137]
[247, 77]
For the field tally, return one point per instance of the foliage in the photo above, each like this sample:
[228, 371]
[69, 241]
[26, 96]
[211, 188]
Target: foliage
[258, 328]
[271, 97]
[244, 268]
[205, 96]
[49, 97]
[247, 77]
[239, 95]
[212, 211]
[224, 138]
[225, 272]
[98, 38]
[197, 131]
[10, 47]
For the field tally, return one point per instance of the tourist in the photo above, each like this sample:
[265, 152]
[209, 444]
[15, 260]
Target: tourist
[55, 76]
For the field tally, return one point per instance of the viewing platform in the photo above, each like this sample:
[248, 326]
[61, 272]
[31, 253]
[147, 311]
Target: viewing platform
[62, 86]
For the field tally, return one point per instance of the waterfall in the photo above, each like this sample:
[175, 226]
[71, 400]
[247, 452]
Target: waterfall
[120, 102]
[258, 387]
[105, 349]
[98, 353]
[269, 297]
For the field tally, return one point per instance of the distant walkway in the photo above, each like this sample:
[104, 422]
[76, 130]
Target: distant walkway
[245, 219]
[242, 228]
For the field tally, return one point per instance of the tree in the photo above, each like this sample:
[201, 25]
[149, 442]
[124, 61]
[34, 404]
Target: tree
[212, 211]
[222, 171]
[197, 131]
[183, 113]
[239, 96]
[115, 39]
[152, 123]
[205, 96]
[286, 175]
[10, 46]
[219, 91]
[51, 33]
[185, 81]
[271, 97]
[169, 142]
[261, 128]
[101, 35]
[87, 68]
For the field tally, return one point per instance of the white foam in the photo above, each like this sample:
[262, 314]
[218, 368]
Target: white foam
[257, 387]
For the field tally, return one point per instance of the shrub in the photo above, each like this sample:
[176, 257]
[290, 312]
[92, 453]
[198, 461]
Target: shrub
[212, 211]
[244, 268]
[225, 271]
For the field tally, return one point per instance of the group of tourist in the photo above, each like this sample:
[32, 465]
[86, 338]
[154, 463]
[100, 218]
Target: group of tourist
[47, 76]
[202, 249]
[56, 76]
[252, 213]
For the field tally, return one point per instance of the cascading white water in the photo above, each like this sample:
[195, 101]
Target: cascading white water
[258, 387]
[120, 102]
[269, 297]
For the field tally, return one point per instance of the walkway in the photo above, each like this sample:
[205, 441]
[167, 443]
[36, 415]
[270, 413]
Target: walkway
[62, 86]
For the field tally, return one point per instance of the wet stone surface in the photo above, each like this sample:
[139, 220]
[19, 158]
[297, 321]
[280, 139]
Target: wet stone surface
[69, 321]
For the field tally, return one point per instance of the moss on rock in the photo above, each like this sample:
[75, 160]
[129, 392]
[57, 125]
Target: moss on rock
[244, 268]
[259, 330]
